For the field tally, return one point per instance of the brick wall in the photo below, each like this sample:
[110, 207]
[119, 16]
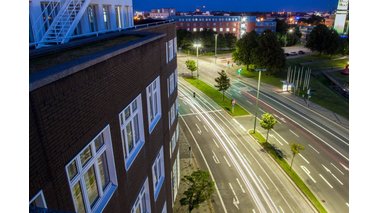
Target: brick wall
[67, 114]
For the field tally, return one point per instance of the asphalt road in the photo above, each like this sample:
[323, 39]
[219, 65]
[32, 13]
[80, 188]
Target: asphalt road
[323, 165]
[247, 179]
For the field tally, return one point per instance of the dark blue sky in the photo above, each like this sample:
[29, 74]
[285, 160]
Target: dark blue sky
[238, 5]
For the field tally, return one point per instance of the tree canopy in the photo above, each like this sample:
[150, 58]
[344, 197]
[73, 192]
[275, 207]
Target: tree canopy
[267, 122]
[324, 40]
[191, 65]
[201, 187]
[246, 49]
[295, 149]
[223, 82]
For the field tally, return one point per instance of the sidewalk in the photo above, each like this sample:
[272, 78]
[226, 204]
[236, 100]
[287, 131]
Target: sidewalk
[186, 169]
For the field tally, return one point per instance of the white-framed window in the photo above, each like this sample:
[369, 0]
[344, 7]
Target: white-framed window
[132, 131]
[142, 202]
[228, 29]
[221, 29]
[38, 201]
[175, 46]
[170, 48]
[194, 29]
[201, 29]
[172, 82]
[172, 114]
[174, 140]
[233, 29]
[158, 172]
[214, 29]
[153, 103]
[91, 174]
[175, 177]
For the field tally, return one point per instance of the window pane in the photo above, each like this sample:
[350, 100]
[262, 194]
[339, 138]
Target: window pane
[91, 186]
[121, 119]
[104, 171]
[124, 142]
[156, 174]
[135, 106]
[127, 113]
[136, 128]
[151, 108]
[144, 203]
[130, 139]
[72, 170]
[85, 156]
[99, 141]
[156, 104]
[78, 198]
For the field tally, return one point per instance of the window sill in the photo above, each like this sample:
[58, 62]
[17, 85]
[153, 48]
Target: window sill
[158, 188]
[105, 199]
[134, 154]
[154, 122]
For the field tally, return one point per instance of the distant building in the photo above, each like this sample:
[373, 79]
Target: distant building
[340, 24]
[162, 13]
[237, 25]
[305, 30]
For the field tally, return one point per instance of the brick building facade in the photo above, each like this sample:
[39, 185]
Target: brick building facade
[103, 127]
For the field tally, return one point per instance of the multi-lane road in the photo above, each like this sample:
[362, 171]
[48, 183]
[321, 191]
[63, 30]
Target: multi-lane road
[247, 179]
[323, 165]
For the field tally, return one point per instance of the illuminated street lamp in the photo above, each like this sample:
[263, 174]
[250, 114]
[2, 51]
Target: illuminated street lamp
[197, 45]
[289, 31]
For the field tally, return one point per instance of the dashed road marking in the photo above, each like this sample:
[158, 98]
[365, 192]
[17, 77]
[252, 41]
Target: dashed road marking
[337, 169]
[293, 133]
[308, 173]
[281, 209]
[199, 130]
[346, 168]
[205, 128]
[326, 181]
[228, 163]
[240, 185]
[264, 182]
[198, 118]
[314, 149]
[216, 144]
[303, 158]
[215, 158]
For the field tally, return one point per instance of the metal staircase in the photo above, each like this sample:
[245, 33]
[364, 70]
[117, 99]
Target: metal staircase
[65, 22]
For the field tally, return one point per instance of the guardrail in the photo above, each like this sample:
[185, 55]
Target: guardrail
[97, 33]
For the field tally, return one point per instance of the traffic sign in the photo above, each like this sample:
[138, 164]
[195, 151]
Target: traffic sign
[260, 69]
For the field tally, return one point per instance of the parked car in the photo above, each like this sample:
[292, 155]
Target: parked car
[301, 52]
[293, 53]
[287, 54]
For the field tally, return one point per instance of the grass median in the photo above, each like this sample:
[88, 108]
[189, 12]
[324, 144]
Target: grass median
[279, 158]
[216, 96]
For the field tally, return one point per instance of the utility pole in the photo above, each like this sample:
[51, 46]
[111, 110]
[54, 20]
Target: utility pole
[197, 45]
[257, 97]
[215, 52]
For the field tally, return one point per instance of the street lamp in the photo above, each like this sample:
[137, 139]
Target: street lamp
[215, 54]
[289, 31]
[257, 96]
[197, 45]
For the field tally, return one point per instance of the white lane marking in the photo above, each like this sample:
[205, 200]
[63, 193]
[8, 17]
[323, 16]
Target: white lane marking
[308, 173]
[207, 165]
[280, 136]
[228, 163]
[239, 125]
[329, 171]
[198, 118]
[205, 128]
[250, 102]
[314, 149]
[326, 181]
[253, 210]
[199, 130]
[346, 168]
[307, 129]
[215, 158]
[276, 139]
[281, 209]
[235, 198]
[247, 159]
[303, 158]
[215, 142]
[276, 115]
[293, 133]
[337, 169]
[347, 204]
[240, 185]
[264, 182]
[210, 111]
[262, 110]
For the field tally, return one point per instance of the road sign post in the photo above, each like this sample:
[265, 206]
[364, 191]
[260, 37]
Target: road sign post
[257, 96]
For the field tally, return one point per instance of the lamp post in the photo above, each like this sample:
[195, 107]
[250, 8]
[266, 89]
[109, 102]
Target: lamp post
[197, 45]
[257, 96]
[215, 54]
[289, 31]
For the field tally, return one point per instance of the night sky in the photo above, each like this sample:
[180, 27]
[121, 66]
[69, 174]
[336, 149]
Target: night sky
[238, 5]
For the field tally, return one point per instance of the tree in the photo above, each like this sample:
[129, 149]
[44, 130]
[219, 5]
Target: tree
[267, 122]
[230, 40]
[191, 65]
[295, 149]
[269, 53]
[245, 49]
[281, 26]
[201, 187]
[324, 40]
[223, 82]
